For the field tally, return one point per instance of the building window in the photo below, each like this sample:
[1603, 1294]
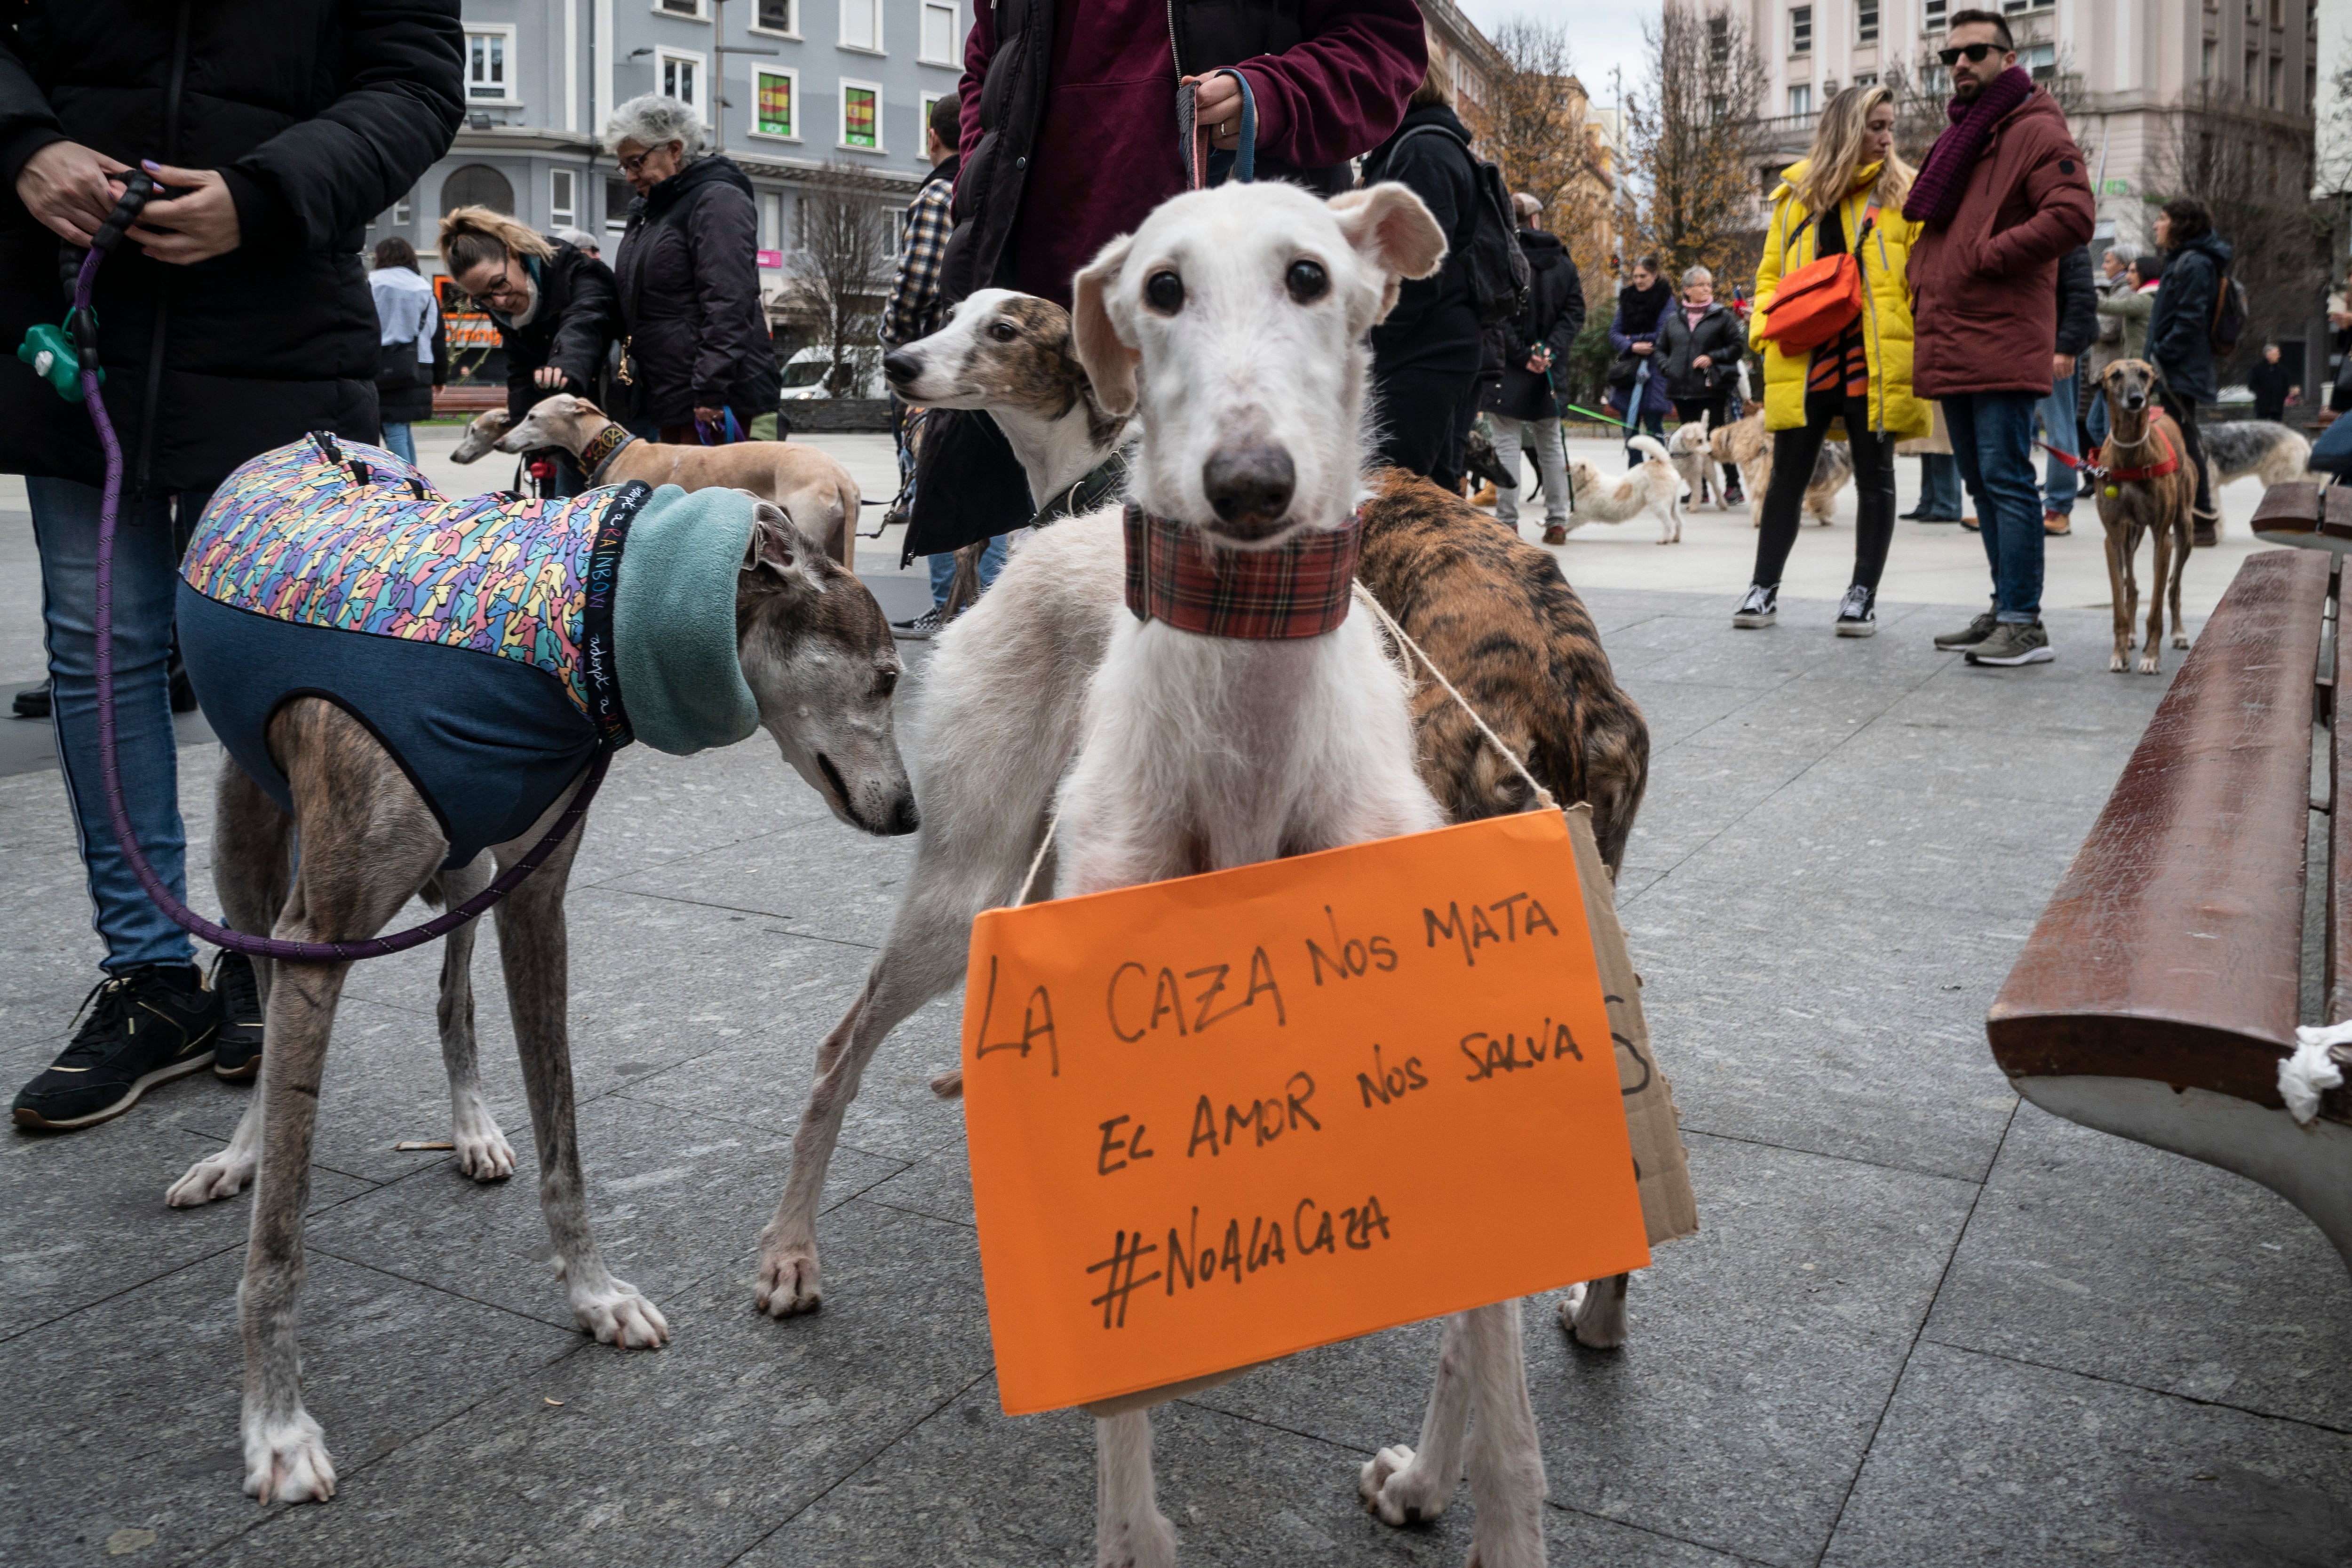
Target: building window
[1866, 79]
[2040, 60]
[778, 101]
[2253, 65]
[561, 211]
[617, 198]
[476, 186]
[691, 8]
[681, 77]
[1800, 29]
[1936, 12]
[776, 17]
[1865, 22]
[861, 25]
[771, 220]
[2206, 61]
[404, 208]
[488, 53]
[1718, 40]
[861, 116]
[1801, 98]
[939, 32]
[2278, 80]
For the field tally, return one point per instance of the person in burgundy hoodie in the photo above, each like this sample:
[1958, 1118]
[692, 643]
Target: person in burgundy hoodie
[2001, 196]
[1060, 161]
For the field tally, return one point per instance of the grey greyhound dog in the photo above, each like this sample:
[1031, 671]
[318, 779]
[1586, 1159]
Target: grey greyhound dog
[806, 654]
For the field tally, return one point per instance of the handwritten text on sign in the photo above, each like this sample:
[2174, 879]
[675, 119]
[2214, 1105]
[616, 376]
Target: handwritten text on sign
[1222, 1119]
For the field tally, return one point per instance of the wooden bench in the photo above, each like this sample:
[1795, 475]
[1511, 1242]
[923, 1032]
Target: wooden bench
[2162, 987]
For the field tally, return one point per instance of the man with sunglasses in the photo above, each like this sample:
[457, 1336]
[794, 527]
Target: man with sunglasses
[2003, 195]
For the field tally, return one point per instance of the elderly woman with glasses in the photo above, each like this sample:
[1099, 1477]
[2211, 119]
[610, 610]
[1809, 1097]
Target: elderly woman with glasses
[697, 346]
[554, 308]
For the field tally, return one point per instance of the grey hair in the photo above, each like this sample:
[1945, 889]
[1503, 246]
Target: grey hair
[2124, 251]
[1697, 275]
[654, 121]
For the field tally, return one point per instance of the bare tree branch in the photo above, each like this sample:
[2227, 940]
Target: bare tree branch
[1532, 123]
[1694, 142]
[842, 275]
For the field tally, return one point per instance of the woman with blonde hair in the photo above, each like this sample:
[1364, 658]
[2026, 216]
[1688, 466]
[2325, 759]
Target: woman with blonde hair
[1845, 198]
[557, 311]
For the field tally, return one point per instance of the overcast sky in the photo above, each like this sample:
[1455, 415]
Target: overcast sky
[1603, 33]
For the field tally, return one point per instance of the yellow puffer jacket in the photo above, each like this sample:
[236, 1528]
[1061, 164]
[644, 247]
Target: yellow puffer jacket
[1886, 306]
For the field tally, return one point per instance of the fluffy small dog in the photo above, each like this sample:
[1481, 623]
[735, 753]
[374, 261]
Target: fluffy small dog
[2259, 448]
[1746, 445]
[1652, 490]
[1691, 451]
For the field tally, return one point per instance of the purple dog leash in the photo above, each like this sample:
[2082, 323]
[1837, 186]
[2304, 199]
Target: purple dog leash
[86, 335]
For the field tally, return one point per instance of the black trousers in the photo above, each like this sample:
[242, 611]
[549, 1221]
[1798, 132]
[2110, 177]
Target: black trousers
[1426, 413]
[2184, 413]
[1794, 452]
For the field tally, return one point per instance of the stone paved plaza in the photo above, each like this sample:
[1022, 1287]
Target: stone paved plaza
[1922, 1325]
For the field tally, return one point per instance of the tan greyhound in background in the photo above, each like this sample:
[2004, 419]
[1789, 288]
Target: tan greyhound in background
[2133, 500]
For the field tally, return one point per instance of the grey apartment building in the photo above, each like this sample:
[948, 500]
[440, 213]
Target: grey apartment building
[788, 86]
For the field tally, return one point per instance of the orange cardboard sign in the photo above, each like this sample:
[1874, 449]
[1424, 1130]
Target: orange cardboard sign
[1217, 1120]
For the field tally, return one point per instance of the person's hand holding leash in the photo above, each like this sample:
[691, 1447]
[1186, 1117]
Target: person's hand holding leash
[195, 224]
[548, 375]
[2061, 366]
[70, 188]
[1217, 102]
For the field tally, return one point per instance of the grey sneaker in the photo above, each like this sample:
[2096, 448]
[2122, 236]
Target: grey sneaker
[1974, 633]
[2013, 643]
[1857, 613]
[921, 628]
[1760, 609]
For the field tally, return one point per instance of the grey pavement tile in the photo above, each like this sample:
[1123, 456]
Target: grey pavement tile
[2069, 694]
[1675, 709]
[1799, 716]
[86, 1217]
[938, 1184]
[2098, 1255]
[764, 1083]
[673, 1199]
[124, 1417]
[1983, 1460]
[820, 879]
[686, 1455]
[654, 809]
[1695, 794]
[1903, 760]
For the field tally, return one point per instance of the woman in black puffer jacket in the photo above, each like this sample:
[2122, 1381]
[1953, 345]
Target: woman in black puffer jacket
[698, 346]
[1693, 329]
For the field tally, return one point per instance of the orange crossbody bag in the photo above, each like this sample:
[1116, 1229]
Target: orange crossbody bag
[1820, 300]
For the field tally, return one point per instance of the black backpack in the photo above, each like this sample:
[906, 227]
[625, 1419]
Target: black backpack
[1499, 277]
[2228, 323]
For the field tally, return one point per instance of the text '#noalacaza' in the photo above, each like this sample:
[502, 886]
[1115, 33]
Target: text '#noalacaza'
[1187, 1260]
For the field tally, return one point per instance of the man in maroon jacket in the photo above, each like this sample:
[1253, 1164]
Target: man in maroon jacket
[1060, 161]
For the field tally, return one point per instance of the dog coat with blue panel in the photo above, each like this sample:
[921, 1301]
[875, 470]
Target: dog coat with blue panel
[489, 644]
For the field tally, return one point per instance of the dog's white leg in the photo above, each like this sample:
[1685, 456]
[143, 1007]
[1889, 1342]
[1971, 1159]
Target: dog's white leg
[483, 1151]
[1130, 1531]
[1506, 1473]
[1410, 1486]
[224, 1172]
[1595, 1312]
[532, 949]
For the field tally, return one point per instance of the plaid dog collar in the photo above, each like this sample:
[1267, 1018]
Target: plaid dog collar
[1300, 590]
[600, 447]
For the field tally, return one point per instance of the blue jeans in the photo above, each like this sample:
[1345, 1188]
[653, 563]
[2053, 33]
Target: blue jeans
[1939, 486]
[2060, 482]
[992, 562]
[400, 441]
[146, 578]
[1992, 436]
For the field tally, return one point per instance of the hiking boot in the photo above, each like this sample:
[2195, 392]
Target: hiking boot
[2013, 643]
[1975, 632]
[146, 1027]
[1555, 534]
[1857, 613]
[1760, 609]
[33, 703]
[237, 1049]
[921, 628]
[2207, 531]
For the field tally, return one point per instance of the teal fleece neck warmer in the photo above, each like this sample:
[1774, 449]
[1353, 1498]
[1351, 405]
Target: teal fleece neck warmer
[674, 621]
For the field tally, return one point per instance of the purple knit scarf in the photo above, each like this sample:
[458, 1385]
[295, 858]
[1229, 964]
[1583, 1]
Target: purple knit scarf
[1942, 179]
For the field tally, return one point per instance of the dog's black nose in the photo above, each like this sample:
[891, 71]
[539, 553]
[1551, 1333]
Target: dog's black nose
[903, 818]
[901, 366]
[2135, 404]
[1249, 485]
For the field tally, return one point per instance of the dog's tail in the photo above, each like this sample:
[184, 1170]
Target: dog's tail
[1647, 445]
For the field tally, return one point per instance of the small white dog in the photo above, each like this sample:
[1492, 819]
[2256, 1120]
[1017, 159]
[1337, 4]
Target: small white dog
[1688, 449]
[1652, 490]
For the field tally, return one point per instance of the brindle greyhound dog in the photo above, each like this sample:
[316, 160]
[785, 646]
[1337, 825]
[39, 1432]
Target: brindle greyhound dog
[817, 656]
[2132, 501]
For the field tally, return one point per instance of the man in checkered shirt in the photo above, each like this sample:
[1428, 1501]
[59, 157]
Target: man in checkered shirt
[915, 312]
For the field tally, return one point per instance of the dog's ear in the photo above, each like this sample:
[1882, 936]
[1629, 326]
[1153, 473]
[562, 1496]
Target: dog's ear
[780, 558]
[1394, 232]
[1109, 360]
[587, 407]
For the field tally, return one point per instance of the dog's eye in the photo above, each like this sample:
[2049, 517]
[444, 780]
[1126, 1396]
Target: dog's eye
[1164, 292]
[1308, 281]
[1001, 331]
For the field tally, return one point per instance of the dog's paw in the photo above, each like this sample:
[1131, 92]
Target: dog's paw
[791, 1282]
[1399, 1490]
[2181, 639]
[1146, 1543]
[617, 1315]
[2115, 663]
[2147, 663]
[286, 1461]
[1595, 1314]
[216, 1176]
[483, 1151]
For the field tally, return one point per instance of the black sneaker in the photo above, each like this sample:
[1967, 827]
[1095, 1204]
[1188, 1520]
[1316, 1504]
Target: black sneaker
[921, 628]
[1968, 636]
[33, 703]
[237, 1049]
[147, 1028]
[1857, 613]
[1760, 609]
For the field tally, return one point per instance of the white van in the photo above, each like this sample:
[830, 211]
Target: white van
[804, 374]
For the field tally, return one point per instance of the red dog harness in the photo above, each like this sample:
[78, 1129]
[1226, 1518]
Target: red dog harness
[1298, 589]
[2167, 464]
